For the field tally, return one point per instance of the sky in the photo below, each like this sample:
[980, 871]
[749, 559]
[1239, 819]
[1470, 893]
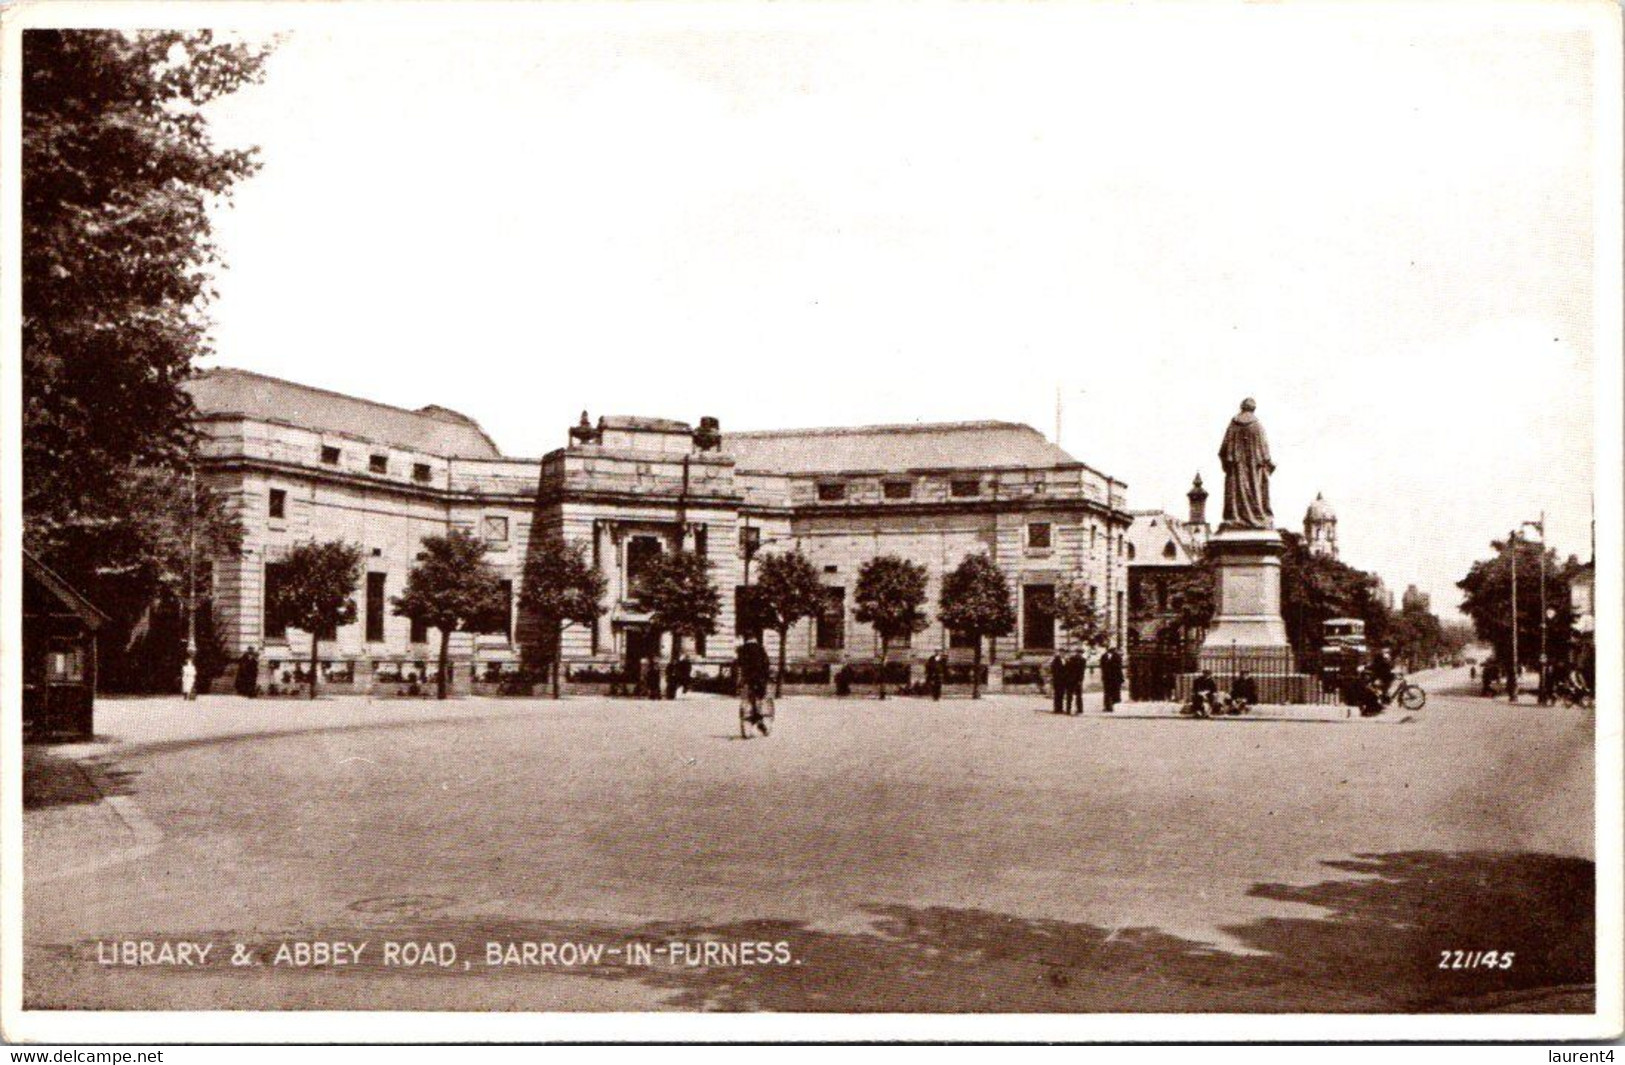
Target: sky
[1379, 227]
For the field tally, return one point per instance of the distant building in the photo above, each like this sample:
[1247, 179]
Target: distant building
[1320, 528]
[1416, 600]
[300, 463]
[1162, 548]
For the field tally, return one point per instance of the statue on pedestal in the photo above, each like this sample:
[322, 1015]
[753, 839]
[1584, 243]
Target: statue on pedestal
[1245, 454]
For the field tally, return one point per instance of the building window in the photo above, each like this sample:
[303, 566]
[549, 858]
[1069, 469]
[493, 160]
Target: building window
[746, 618]
[495, 529]
[965, 489]
[1038, 617]
[420, 631]
[640, 551]
[375, 607]
[702, 540]
[420, 472]
[279, 503]
[276, 626]
[832, 491]
[1038, 535]
[378, 464]
[1131, 552]
[961, 639]
[750, 540]
[898, 489]
[330, 456]
[499, 622]
[1169, 551]
[831, 634]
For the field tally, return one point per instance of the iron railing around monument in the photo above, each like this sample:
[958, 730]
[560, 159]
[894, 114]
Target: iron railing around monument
[1164, 674]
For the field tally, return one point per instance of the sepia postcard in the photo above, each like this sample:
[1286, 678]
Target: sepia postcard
[869, 521]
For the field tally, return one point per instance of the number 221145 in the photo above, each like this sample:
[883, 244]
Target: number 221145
[1476, 959]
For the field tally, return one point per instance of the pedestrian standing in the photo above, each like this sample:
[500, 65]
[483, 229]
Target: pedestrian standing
[189, 679]
[651, 677]
[1076, 667]
[935, 666]
[1057, 681]
[1111, 677]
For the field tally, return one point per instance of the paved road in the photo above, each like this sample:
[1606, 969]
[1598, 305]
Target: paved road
[910, 855]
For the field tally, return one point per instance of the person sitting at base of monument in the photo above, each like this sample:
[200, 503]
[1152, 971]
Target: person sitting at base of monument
[1243, 693]
[1204, 696]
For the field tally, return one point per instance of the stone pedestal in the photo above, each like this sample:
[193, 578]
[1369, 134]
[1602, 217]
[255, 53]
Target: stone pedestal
[1248, 615]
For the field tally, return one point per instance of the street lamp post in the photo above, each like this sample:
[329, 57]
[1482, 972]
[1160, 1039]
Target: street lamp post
[1541, 694]
[1512, 667]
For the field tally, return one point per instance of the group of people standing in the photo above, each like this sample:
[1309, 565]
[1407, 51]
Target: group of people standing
[646, 677]
[1069, 669]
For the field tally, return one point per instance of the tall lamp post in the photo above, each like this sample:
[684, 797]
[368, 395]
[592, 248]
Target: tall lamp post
[1540, 688]
[1512, 667]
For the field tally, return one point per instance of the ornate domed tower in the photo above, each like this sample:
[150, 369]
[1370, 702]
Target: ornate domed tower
[1320, 527]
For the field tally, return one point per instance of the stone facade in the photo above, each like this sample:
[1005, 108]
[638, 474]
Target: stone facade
[299, 463]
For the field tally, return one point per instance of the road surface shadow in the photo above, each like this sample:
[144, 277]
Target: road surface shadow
[51, 779]
[1384, 942]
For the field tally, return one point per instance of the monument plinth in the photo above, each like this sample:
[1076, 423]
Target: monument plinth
[1248, 592]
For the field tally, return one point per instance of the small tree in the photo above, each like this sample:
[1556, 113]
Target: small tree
[315, 595]
[787, 589]
[889, 595]
[452, 588]
[1077, 613]
[679, 597]
[975, 602]
[562, 588]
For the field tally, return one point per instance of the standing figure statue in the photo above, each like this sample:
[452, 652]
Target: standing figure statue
[1245, 454]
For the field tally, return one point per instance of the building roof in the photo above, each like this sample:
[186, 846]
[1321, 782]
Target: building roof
[1319, 511]
[64, 592]
[635, 423]
[1157, 538]
[434, 429]
[942, 445]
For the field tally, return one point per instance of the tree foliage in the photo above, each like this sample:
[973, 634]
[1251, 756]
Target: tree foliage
[679, 596]
[317, 590]
[975, 601]
[451, 588]
[1077, 612]
[1487, 600]
[889, 594]
[787, 589]
[561, 587]
[1315, 588]
[118, 172]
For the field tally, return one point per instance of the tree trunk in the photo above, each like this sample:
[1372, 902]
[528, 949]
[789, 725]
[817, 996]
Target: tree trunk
[976, 670]
[445, 664]
[778, 683]
[882, 677]
[558, 654]
[313, 641]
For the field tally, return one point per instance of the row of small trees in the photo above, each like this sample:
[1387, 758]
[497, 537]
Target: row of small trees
[453, 587]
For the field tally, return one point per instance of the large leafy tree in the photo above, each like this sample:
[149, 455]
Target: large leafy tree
[677, 593]
[889, 595]
[452, 588]
[1487, 599]
[1315, 588]
[317, 591]
[562, 587]
[787, 589]
[975, 601]
[118, 173]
